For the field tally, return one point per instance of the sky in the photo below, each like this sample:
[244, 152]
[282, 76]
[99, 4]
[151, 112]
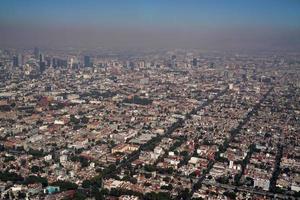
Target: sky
[212, 24]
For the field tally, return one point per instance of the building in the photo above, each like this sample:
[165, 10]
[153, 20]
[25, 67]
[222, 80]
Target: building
[42, 67]
[195, 62]
[36, 53]
[18, 60]
[87, 61]
[124, 148]
[51, 189]
[173, 61]
[262, 183]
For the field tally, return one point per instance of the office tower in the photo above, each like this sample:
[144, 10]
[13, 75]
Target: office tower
[141, 64]
[75, 66]
[21, 59]
[54, 63]
[48, 61]
[42, 67]
[62, 63]
[127, 64]
[226, 75]
[42, 63]
[87, 61]
[41, 57]
[18, 60]
[131, 65]
[36, 53]
[15, 61]
[173, 61]
[70, 64]
[195, 62]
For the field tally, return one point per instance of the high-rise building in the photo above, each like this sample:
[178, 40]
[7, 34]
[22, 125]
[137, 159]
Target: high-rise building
[62, 63]
[42, 63]
[173, 61]
[36, 53]
[18, 60]
[87, 61]
[41, 57]
[48, 61]
[195, 62]
[15, 61]
[42, 67]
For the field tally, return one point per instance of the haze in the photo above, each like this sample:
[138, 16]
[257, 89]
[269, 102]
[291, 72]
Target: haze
[255, 25]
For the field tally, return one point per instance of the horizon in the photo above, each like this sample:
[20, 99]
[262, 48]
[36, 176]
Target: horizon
[207, 25]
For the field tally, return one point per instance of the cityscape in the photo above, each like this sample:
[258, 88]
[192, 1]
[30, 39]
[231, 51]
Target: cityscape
[147, 123]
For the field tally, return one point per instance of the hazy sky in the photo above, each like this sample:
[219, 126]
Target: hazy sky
[220, 24]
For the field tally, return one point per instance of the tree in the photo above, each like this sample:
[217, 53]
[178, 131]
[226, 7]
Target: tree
[10, 176]
[184, 153]
[79, 196]
[157, 196]
[109, 170]
[73, 119]
[237, 178]
[36, 153]
[23, 162]
[65, 185]
[83, 161]
[95, 181]
[184, 194]
[35, 169]
[230, 194]
[36, 179]
[130, 179]
[166, 187]
[21, 195]
[167, 179]
[149, 168]
[97, 194]
[147, 175]
[138, 100]
[84, 120]
[170, 170]
[222, 180]
[86, 183]
[9, 158]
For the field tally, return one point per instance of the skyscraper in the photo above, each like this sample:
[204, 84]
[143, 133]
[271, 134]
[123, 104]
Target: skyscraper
[42, 67]
[173, 61]
[18, 60]
[48, 61]
[195, 62]
[42, 63]
[87, 61]
[15, 61]
[41, 57]
[36, 53]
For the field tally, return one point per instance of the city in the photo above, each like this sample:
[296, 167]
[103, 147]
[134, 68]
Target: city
[143, 100]
[185, 127]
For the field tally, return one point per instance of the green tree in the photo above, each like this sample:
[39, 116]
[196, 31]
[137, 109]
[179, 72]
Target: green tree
[65, 185]
[36, 179]
[35, 169]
